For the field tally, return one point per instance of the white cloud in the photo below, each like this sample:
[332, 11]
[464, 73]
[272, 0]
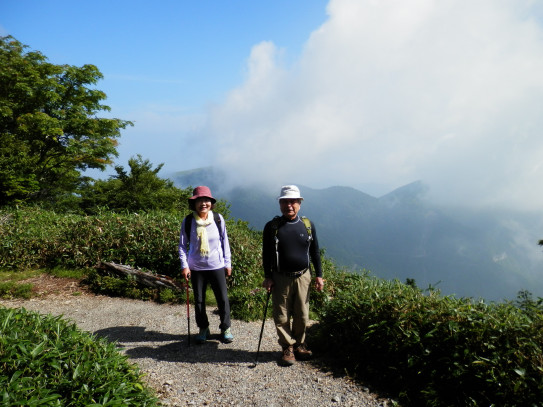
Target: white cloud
[389, 92]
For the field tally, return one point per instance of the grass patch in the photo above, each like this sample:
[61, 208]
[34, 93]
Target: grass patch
[12, 289]
[14, 276]
[11, 285]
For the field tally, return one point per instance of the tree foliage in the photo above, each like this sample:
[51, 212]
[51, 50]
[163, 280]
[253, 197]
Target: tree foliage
[49, 129]
[140, 189]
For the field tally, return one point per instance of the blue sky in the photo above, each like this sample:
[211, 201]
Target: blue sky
[162, 62]
[367, 94]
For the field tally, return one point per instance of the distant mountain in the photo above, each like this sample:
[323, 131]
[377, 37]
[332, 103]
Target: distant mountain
[400, 235]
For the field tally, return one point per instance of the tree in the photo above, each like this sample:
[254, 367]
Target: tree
[140, 189]
[49, 129]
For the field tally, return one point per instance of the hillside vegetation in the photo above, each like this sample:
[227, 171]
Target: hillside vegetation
[424, 348]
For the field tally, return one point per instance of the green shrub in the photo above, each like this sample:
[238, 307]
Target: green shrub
[46, 361]
[36, 238]
[248, 305]
[31, 237]
[108, 284]
[434, 350]
[246, 247]
[167, 295]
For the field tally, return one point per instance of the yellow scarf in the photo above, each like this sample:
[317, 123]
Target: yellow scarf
[201, 232]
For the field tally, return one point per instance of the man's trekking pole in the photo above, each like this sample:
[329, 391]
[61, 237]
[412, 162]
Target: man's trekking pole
[262, 329]
[188, 309]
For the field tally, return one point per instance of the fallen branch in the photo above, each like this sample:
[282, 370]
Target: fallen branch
[142, 277]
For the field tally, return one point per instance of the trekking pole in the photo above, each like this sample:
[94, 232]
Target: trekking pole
[188, 309]
[262, 329]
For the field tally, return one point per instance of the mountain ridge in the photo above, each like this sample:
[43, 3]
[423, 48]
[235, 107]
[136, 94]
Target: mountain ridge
[400, 235]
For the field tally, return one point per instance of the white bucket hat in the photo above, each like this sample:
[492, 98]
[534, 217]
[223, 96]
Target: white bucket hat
[290, 192]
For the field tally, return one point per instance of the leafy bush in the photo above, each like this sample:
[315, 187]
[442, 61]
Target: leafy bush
[248, 305]
[46, 361]
[105, 283]
[31, 237]
[434, 350]
[35, 238]
[246, 247]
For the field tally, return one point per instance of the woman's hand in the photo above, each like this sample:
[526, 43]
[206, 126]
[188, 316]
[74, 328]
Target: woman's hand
[185, 273]
[228, 271]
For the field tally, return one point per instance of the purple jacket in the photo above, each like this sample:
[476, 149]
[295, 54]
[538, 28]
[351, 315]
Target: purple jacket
[190, 254]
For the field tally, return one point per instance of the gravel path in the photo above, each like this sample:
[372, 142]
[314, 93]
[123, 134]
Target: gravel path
[214, 374]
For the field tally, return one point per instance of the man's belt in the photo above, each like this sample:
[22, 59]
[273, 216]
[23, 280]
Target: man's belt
[292, 273]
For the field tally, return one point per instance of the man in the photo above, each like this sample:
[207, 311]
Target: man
[289, 245]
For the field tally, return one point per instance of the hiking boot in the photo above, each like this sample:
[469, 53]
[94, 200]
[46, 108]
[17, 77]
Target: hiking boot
[226, 336]
[202, 335]
[287, 357]
[302, 353]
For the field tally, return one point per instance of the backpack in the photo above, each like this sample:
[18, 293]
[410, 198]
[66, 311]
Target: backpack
[188, 226]
[279, 220]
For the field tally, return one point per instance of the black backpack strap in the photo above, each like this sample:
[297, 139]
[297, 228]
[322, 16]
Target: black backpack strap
[188, 225]
[277, 222]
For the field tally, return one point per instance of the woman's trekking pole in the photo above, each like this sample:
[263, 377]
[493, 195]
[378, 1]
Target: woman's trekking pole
[262, 329]
[188, 309]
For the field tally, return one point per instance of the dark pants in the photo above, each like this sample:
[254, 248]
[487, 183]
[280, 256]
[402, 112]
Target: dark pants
[217, 280]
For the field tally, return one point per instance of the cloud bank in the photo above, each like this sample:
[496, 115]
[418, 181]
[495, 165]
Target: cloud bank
[388, 92]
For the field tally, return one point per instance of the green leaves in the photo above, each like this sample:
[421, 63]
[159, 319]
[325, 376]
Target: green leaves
[434, 350]
[141, 189]
[49, 129]
[46, 361]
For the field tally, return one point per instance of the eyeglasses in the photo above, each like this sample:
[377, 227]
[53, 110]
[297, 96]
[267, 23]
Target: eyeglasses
[289, 201]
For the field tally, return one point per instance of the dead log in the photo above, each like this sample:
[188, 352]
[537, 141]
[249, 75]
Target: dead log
[146, 278]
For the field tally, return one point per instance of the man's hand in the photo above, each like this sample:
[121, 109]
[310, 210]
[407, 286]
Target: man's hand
[319, 283]
[268, 284]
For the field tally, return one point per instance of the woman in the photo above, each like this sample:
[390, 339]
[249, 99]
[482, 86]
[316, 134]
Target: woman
[204, 252]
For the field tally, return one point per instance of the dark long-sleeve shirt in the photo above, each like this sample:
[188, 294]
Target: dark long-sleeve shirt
[294, 250]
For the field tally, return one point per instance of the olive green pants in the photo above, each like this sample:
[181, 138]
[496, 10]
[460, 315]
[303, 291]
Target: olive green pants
[291, 300]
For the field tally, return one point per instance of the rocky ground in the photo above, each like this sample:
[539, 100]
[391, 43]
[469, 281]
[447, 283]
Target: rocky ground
[155, 337]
